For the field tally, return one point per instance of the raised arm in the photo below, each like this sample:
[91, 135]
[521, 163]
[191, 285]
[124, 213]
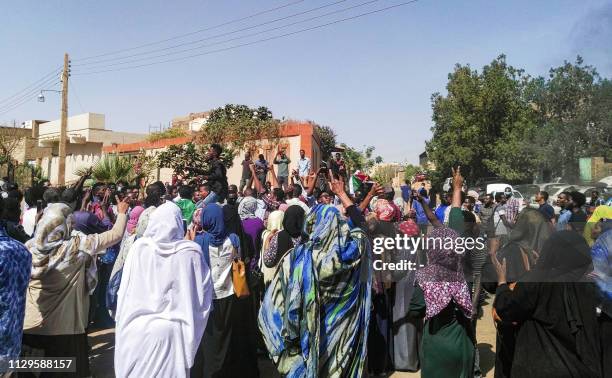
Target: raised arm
[258, 185]
[457, 187]
[78, 186]
[455, 217]
[312, 182]
[274, 180]
[86, 200]
[354, 213]
[376, 189]
[430, 215]
[114, 235]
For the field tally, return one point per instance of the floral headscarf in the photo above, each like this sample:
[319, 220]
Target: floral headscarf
[409, 227]
[442, 279]
[385, 211]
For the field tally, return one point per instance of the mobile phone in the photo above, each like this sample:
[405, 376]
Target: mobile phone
[367, 186]
[39, 205]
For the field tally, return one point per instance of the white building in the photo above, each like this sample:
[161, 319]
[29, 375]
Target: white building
[86, 135]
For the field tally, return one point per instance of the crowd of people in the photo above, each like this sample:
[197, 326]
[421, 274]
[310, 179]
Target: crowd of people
[202, 278]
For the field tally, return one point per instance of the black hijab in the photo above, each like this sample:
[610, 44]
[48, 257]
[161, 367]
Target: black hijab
[529, 234]
[233, 225]
[293, 224]
[565, 257]
[556, 306]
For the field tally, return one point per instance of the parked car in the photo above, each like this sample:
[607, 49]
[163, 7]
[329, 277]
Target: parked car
[607, 181]
[529, 191]
[499, 187]
[547, 185]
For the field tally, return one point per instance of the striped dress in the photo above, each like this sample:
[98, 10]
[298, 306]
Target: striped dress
[315, 314]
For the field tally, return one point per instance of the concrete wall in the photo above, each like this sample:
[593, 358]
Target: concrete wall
[291, 145]
[109, 137]
[297, 135]
[78, 156]
[600, 169]
[27, 147]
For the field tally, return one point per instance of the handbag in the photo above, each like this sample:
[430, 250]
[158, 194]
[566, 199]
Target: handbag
[239, 278]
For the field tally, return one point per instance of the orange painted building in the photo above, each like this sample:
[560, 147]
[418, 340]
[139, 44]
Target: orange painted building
[294, 136]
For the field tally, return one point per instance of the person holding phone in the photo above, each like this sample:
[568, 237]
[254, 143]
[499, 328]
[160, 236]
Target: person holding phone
[418, 207]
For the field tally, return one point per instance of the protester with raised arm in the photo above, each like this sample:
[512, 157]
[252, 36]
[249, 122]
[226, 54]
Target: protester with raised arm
[63, 277]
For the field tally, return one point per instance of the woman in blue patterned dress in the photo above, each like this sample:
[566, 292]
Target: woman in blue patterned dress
[315, 314]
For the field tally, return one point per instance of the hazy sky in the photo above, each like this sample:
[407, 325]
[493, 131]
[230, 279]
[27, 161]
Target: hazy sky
[370, 78]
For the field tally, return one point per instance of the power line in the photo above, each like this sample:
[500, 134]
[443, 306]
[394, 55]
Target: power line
[22, 102]
[193, 32]
[254, 42]
[75, 95]
[216, 36]
[55, 71]
[239, 37]
[28, 94]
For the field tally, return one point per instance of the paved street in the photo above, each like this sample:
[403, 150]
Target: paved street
[103, 347]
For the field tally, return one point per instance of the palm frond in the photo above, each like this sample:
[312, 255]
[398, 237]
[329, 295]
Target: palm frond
[111, 169]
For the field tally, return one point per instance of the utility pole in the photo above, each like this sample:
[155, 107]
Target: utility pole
[61, 175]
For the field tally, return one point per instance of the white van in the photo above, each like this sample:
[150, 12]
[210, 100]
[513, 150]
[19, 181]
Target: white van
[507, 188]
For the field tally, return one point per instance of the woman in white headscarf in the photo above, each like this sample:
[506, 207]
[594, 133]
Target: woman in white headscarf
[273, 226]
[63, 277]
[163, 301]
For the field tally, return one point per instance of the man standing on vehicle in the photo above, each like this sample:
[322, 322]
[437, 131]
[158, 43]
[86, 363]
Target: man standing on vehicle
[283, 169]
[216, 176]
[304, 166]
[261, 168]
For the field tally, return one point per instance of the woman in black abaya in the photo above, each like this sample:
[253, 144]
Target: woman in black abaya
[554, 307]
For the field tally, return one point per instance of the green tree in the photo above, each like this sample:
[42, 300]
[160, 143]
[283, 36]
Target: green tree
[385, 174]
[360, 159]
[411, 170]
[240, 127]
[482, 122]
[328, 140]
[573, 107]
[190, 159]
[173, 132]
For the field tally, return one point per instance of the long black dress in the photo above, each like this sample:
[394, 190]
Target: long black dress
[558, 334]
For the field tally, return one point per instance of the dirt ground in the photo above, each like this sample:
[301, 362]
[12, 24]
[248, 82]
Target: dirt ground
[103, 343]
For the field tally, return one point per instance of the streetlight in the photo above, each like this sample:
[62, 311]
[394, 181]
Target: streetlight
[41, 97]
